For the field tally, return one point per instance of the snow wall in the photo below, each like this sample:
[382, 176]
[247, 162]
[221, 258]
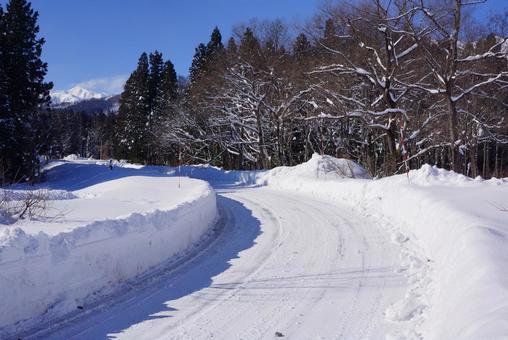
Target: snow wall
[467, 252]
[43, 277]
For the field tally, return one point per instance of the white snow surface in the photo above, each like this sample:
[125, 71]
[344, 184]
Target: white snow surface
[454, 236]
[315, 251]
[104, 227]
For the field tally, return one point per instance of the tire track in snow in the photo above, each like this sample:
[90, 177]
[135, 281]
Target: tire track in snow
[312, 270]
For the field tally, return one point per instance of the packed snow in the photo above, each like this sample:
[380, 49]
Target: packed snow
[102, 227]
[319, 250]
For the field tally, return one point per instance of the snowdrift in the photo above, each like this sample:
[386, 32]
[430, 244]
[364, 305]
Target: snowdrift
[217, 176]
[459, 281]
[115, 229]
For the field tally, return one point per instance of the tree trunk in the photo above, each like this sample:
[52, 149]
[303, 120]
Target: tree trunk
[261, 139]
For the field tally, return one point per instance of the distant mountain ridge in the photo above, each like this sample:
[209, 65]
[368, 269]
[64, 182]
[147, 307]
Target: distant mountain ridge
[81, 99]
[74, 95]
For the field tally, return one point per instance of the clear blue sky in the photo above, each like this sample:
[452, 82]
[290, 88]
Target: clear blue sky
[94, 39]
[97, 42]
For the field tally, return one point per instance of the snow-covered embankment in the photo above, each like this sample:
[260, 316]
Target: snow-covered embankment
[110, 232]
[453, 234]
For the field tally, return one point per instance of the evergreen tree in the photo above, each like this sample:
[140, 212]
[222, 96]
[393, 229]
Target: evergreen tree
[206, 56]
[301, 46]
[3, 84]
[154, 85]
[133, 115]
[23, 91]
[169, 83]
[198, 63]
[232, 48]
[250, 48]
[215, 43]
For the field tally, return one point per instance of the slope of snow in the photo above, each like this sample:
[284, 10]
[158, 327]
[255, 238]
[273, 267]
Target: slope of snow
[74, 95]
[454, 233]
[103, 228]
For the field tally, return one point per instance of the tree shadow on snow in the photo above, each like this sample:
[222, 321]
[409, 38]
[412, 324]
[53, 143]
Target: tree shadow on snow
[72, 176]
[76, 176]
[154, 300]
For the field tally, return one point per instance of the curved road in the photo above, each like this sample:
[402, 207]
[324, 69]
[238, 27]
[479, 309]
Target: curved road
[283, 265]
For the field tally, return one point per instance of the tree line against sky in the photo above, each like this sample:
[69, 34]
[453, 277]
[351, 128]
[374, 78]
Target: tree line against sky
[391, 86]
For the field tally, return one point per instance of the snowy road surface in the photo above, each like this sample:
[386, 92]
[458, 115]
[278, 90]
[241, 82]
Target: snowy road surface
[283, 264]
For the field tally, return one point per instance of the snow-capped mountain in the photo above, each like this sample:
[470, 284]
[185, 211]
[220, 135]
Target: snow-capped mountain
[74, 95]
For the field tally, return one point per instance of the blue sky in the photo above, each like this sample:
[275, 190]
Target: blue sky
[96, 43]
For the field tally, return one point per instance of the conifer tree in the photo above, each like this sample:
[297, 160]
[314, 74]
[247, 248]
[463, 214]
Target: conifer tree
[3, 84]
[198, 63]
[154, 85]
[215, 43]
[232, 48]
[250, 48]
[301, 46]
[169, 83]
[24, 92]
[206, 56]
[131, 130]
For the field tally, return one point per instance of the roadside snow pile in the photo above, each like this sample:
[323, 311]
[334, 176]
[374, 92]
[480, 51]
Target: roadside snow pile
[310, 177]
[116, 227]
[453, 233]
[218, 176]
[319, 167]
[429, 175]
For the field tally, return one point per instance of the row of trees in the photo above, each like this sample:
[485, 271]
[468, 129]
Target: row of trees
[90, 134]
[391, 85]
[147, 104]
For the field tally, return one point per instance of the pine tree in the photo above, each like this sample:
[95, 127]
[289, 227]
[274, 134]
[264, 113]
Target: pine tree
[154, 85]
[133, 115]
[301, 46]
[198, 63]
[3, 84]
[250, 48]
[206, 56]
[215, 43]
[232, 48]
[24, 92]
[169, 83]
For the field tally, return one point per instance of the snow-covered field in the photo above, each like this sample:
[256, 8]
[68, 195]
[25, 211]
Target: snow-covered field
[101, 228]
[319, 250]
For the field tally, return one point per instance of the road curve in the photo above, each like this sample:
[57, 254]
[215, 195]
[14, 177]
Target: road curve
[284, 265]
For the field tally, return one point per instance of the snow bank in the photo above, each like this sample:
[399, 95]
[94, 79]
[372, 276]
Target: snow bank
[459, 281]
[218, 176]
[319, 167]
[146, 221]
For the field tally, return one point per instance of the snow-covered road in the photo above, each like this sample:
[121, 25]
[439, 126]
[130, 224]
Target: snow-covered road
[283, 264]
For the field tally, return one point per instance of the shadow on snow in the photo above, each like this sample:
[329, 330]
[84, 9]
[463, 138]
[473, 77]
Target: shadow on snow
[154, 300]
